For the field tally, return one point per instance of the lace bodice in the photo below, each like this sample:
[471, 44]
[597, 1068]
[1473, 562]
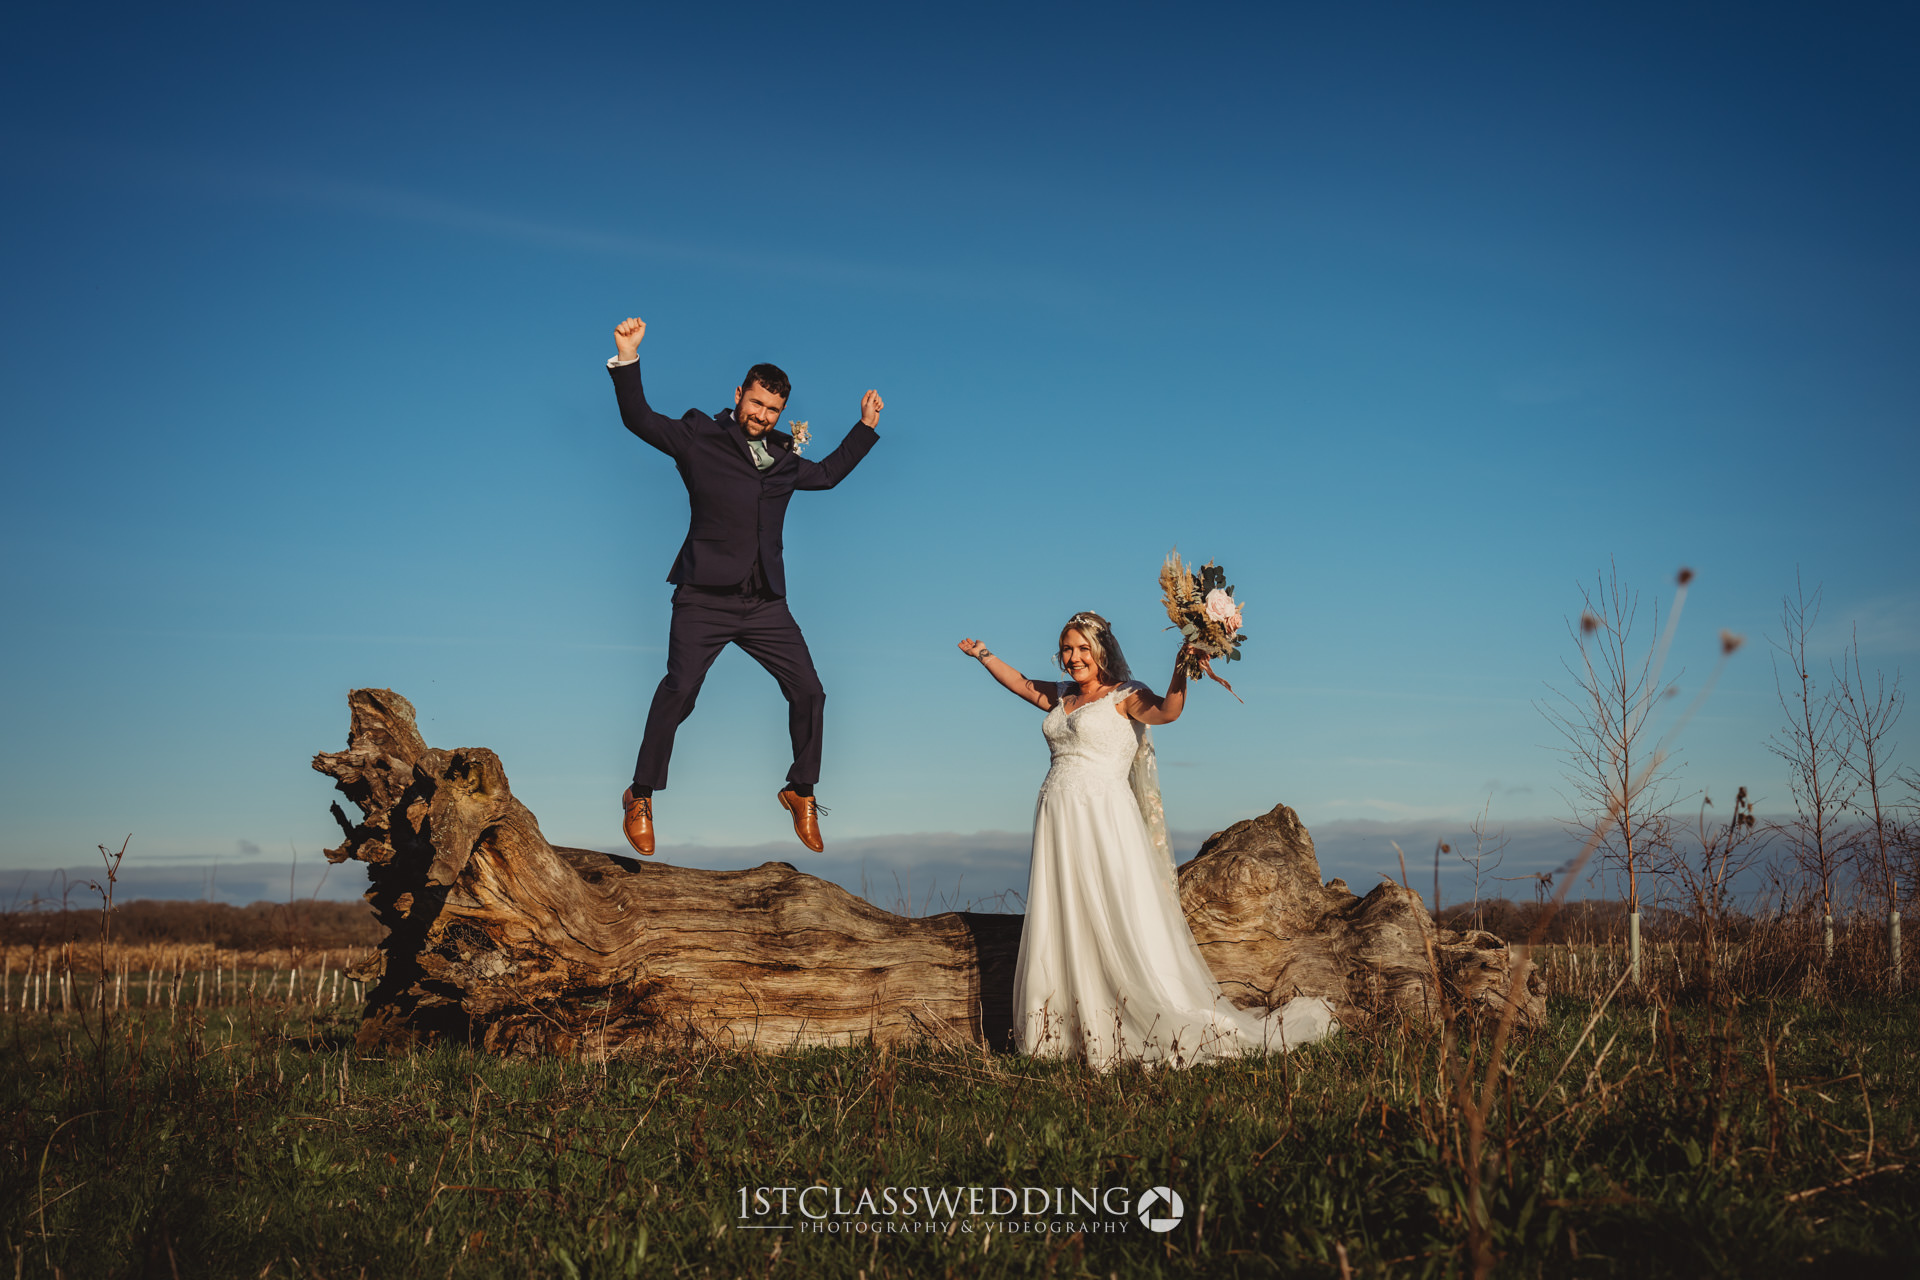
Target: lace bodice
[1092, 745]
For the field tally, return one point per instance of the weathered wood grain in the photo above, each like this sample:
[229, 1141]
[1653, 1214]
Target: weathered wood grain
[500, 939]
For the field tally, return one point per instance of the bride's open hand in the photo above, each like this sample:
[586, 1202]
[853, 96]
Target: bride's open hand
[973, 648]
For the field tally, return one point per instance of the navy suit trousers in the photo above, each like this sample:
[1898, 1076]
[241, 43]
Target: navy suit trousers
[705, 621]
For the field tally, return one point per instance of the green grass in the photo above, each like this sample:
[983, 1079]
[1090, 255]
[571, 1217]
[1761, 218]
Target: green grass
[249, 1142]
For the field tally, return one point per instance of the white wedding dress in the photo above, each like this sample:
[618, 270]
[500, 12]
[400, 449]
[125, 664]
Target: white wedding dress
[1108, 968]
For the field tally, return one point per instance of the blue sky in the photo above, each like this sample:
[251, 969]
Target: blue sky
[1415, 319]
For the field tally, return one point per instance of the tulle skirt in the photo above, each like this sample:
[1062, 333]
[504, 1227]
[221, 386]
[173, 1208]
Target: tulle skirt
[1108, 969]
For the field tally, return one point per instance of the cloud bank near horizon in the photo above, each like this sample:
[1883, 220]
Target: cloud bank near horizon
[915, 873]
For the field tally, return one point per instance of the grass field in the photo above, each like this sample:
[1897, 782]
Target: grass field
[247, 1139]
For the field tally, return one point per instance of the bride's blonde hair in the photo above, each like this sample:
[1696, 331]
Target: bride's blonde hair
[1106, 650]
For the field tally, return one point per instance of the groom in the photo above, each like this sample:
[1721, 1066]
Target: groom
[730, 584]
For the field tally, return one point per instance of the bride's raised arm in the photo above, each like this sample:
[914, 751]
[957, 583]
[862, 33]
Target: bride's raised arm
[1041, 693]
[1148, 707]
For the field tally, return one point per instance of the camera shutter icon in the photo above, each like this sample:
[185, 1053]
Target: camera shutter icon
[1160, 1209]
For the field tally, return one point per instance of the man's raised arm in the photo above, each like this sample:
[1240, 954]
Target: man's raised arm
[658, 430]
[833, 468]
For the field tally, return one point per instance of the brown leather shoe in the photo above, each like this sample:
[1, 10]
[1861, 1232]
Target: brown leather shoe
[638, 823]
[806, 819]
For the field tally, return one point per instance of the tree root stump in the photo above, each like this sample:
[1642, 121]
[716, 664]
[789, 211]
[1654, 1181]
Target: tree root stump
[498, 939]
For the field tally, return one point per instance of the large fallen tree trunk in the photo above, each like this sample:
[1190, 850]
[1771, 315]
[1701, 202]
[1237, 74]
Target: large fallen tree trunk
[502, 940]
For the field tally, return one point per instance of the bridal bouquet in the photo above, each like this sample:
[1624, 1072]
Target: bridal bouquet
[800, 434]
[1201, 604]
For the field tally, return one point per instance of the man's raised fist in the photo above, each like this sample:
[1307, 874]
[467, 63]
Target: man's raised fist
[627, 335]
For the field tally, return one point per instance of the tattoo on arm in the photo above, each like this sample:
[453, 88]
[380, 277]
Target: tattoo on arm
[983, 653]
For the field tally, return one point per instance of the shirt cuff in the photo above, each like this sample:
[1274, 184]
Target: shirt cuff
[614, 362]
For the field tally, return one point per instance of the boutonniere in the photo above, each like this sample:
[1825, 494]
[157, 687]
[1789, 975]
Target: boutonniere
[800, 435]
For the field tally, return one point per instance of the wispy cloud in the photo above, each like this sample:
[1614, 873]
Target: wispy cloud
[916, 873]
[1379, 806]
[1375, 762]
[281, 183]
[348, 637]
[1365, 846]
[234, 882]
[398, 204]
[1398, 695]
[1884, 624]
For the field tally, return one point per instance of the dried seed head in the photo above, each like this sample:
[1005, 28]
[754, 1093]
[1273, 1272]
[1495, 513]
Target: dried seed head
[1588, 623]
[1729, 642]
[1684, 576]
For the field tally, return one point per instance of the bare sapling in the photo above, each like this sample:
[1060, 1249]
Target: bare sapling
[1479, 1158]
[1816, 746]
[1615, 763]
[1488, 852]
[1725, 849]
[1906, 843]
[111, 862]
[1868, 715]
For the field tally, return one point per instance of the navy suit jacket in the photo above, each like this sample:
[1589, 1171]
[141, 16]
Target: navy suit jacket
[738, 510]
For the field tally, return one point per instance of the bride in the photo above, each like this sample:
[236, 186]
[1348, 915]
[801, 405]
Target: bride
[1108, 969]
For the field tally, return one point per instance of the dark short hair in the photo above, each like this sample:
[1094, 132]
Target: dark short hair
[770, 377]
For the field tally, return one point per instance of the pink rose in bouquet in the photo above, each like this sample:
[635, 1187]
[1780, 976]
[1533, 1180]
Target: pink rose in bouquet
[1222, 608]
